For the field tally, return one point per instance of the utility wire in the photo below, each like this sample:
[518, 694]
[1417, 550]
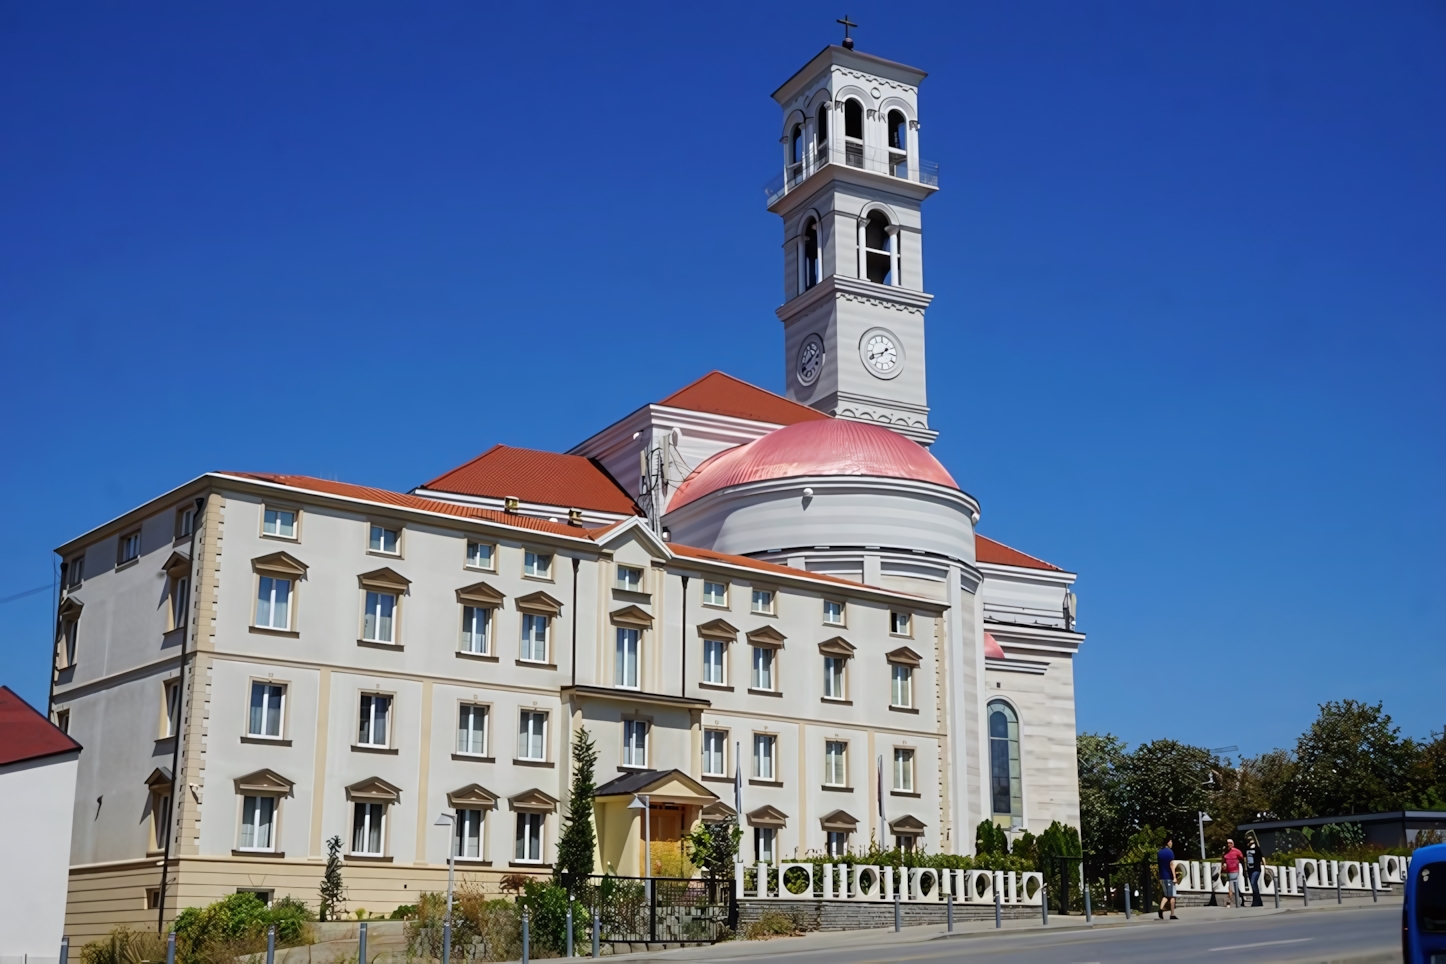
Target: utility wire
[22, 595]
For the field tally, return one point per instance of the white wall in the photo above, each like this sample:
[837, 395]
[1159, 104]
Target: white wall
[35, 811]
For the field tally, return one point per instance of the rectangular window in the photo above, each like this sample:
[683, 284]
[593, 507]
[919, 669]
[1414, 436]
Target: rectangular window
[481, 555]
[273, 603]
[835, 768]
[838, 843]
[375, 709]
[534, 638]
[833, 677]
[715, 753]
[713, 650]
[763, 747]
[279, 522]
[185, 521]
[160, 819]
[833, 613]
[383, 540]
[378, 622]
[129, 548]
[62, 721]
[906, 842]
[180, 600]
[467, 835]
[69, 631]
[258, 816]
[903, 770]
[538, 564]
[625, 666]
[529, 838]
[635, 743]
[715, 593]
[75, 572]
[171, 696]
[368, 829]
[472, 729]
[901, 690]
[763, 601]
[763, 844]
[762, 668]
[532, 736]
[900, 624]
[630, 579]
[477, 630]
[268, 703]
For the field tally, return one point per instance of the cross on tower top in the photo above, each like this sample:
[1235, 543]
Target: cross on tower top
[848, 41]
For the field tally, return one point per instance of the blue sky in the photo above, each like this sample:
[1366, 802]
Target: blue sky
[1187, 260]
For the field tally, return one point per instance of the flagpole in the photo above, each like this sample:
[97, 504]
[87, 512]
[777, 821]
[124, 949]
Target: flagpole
[882, 840]
[738, 790]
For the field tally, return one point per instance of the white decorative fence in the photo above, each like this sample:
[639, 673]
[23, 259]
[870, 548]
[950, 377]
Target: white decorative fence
[872, 883]
[1194, 876]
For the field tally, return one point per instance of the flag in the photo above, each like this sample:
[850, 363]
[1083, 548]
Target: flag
[738, 787]
[881, 800]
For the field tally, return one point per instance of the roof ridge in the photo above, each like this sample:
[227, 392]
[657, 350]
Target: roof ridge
[1042, 563]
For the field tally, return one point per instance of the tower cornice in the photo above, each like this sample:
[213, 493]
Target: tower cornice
[854, 289]
[836, 56]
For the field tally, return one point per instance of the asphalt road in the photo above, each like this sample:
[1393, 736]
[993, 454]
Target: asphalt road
[1278, 938]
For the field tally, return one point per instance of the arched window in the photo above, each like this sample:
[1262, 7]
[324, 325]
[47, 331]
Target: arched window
[880, 249]
[854, 133]
[898, 144]
[795, 153]
[1004, 775]
[810, 254]
[820, 129]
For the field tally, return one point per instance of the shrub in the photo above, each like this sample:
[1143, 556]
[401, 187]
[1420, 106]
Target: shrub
[236, 926]
[771, 923]
[125, 946]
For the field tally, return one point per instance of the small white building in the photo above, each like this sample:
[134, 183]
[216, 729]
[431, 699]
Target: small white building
[727, 580]
[38, 764]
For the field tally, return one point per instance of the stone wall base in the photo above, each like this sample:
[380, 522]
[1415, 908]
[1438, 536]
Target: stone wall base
[842, 915]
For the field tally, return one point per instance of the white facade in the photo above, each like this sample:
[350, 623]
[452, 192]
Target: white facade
[34, 798]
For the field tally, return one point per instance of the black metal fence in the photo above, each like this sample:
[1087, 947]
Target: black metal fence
[669, 910]
[1113, 886]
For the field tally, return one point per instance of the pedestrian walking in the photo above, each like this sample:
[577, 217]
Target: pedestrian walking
[1230, 865]
[1254, 864]
[1166, 857]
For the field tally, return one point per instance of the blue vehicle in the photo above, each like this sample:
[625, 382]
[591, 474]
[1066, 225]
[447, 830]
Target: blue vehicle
[1423, 918]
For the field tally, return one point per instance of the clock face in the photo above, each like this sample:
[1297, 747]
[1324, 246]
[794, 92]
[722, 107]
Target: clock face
[810, 359]
[881, 353]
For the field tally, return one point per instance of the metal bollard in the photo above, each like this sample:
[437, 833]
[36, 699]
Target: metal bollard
[65, 950]
[1127, 901]
[948, 913]
[271, 944]
[898, 921]
[171, 948]
[361, 944]
[1089, 918]
[446, 941]
[1305, 890]
[1338, 885]
[526, 940]
[1043, 905]
[596, 933]
[569, 925]
[998, 913]
[1370, 872]
[1276, 891]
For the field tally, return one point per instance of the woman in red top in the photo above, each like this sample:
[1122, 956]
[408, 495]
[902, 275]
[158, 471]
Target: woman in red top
[1230, 864]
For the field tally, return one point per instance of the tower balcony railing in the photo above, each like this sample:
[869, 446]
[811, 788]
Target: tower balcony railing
[887, 161]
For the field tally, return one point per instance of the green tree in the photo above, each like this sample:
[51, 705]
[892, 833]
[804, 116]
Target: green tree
[714, 847]
[1164, 784]
[332, 891]
[578, 841]
[990, 838]
[1351, 760]
[1102, 802]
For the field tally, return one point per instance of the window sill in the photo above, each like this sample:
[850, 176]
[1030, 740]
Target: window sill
[471, 862]
[474, 758]
[272, 535]
[166, 739]
[834, 626]
[901, 635]
[755, 782]
[904, 793]
[723, 606]
[835, 701]
[479, 657]
[535, 664]
[535, 865]
[386, 750]
[756, 612]
[903, 709]
[172, 636]
[468, 568]
[756, 692]
[379, 644]
[127, 564]
[269, 854]
[716, 686]
[833, 789]
[367, 858]
[268, 631]
[717, 777]
[633, 768]
[632, 595]
[266, 740]
[538, 579]
[548, 764]
[384, 555]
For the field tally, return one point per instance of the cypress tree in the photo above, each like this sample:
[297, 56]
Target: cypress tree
[575, 846]
[333, 891]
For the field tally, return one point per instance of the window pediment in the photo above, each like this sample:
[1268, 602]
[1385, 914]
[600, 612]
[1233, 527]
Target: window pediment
[473, 796]
[264, 783]
[767, 636]
[481, 594]
[538, 603]
[718, 629]
[717, 813]
[632, 616]
[70, 608]
[838, 646]
[176, 561]
[767, 816]
[906, 824]
[386, 579]
[373, 790]
[904, 656]
[160, 777]
[282, 564]
[839, 820]
[533, 801]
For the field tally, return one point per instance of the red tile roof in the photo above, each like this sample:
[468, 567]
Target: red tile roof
[722, 394]
[693, 552]
[533, 476]
[387, 497]
[987, 550]
[25, 733]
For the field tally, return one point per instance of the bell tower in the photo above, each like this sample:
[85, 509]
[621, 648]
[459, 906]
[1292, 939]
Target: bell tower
[853, 258]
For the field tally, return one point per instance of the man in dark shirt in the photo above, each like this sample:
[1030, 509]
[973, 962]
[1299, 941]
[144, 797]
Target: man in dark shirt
[1254, 864]
[1167, 879]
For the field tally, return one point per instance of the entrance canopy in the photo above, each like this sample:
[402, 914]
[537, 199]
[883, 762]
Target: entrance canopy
[661, 786]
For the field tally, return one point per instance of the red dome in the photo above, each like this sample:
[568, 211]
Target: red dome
[833, 446]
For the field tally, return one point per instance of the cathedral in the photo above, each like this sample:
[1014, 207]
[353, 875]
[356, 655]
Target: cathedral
[769, 608]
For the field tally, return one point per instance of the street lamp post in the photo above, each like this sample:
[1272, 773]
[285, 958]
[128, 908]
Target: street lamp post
[643, 802]
[448, 820]
[1204, 818]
